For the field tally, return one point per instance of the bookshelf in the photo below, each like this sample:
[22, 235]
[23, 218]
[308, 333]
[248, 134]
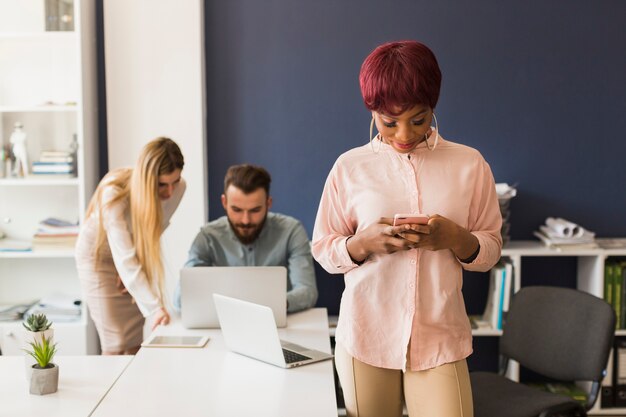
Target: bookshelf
[48, 84]
[590, 278]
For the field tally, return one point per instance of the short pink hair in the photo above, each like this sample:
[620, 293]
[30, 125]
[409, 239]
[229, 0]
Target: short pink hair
[400, 75]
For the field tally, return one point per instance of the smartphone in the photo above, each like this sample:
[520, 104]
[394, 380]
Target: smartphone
[399, 219]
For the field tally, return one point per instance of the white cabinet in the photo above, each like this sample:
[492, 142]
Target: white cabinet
[71, 338]
[48, 84]
[590, 278]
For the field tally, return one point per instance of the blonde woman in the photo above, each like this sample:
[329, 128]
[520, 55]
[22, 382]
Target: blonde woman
[118, 253]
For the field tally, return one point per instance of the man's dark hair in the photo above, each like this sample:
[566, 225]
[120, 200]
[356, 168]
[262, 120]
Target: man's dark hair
[248, 178]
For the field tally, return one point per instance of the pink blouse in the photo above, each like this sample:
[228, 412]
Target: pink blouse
[413, 295]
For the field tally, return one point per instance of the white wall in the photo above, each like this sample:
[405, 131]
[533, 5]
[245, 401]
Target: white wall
[154, 58]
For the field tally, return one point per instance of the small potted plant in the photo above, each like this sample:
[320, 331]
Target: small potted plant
[45, 374]
[37, 327]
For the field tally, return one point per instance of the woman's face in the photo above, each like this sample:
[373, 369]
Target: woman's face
[168, 183]
[406, 130]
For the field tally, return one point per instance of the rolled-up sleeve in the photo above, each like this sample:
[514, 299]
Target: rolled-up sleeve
[485, 221]
[332, 228]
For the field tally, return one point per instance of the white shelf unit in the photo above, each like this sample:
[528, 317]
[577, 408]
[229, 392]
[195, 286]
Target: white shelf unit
[47, 83]
[590, 278]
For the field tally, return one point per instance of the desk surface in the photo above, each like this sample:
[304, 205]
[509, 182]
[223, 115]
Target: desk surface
[213, 381]
[83, 381]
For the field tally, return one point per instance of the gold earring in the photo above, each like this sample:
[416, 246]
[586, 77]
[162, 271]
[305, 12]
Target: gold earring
[377, 137]
[436, 137]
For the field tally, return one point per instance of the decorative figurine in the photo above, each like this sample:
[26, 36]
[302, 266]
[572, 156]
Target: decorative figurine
[18, 143]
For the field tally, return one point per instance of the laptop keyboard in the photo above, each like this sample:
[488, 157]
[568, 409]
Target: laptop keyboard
[291, 357]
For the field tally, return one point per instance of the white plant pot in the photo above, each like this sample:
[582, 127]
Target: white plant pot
[34, 337]
[44, 381]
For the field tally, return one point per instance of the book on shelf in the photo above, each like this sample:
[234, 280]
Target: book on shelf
[15, 245]
[617, 294]
[63, 158]
[56, 156]
[608, 283]
[615, 288]
[606, 388]
[55, 233]
[54, 241]
[619, 372]
[57, 227]
[52, 167]
[499, 294]
[56, 222]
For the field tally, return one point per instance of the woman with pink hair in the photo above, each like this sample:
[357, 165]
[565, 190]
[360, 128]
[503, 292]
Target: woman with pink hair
[403, 333]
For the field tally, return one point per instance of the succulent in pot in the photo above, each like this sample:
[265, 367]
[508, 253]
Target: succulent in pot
[37, 326]
[45, 374]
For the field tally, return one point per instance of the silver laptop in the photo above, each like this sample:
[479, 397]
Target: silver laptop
[249, 329]
[265, 285]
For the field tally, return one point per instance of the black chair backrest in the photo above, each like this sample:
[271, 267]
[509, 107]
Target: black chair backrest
[561, 333]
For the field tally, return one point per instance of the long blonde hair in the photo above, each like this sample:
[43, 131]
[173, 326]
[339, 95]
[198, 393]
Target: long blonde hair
[140, 185]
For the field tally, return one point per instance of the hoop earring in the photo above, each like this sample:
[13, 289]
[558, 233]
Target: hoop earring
[436, 137]
[371, 138]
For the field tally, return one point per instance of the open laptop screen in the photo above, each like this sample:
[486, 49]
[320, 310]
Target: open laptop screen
[266, 285]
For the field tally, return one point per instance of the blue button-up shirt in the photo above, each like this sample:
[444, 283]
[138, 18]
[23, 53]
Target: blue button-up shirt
[282, 242]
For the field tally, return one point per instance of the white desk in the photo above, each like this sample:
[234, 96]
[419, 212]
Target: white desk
[213, 381]
[83, 381]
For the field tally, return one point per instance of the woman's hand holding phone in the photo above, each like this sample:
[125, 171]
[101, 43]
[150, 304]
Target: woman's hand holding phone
[399, 219]
[411, 235]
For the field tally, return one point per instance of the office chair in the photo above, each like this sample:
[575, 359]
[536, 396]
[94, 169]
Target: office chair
[560, 333]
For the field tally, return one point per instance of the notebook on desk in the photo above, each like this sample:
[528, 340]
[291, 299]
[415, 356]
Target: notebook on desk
[266, 285]
[249, 329]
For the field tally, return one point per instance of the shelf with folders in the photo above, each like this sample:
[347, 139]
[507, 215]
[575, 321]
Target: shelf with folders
[615, 288]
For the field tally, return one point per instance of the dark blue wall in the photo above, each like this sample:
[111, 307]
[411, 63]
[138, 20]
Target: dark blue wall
[539, 87]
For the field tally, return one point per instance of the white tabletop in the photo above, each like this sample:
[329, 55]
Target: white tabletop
[83, 381]
[213, 381]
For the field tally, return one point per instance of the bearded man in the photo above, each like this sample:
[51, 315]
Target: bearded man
[250, 235]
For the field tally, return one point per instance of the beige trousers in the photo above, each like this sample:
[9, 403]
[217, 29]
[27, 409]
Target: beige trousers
[369, 391]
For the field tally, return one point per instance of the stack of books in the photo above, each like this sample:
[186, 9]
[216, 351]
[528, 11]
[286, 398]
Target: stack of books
[561, 234]
[54, 233]
[505, 193]
[55, 163]
[15, 245]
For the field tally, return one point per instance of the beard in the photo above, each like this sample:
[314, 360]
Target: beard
[250, 233]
